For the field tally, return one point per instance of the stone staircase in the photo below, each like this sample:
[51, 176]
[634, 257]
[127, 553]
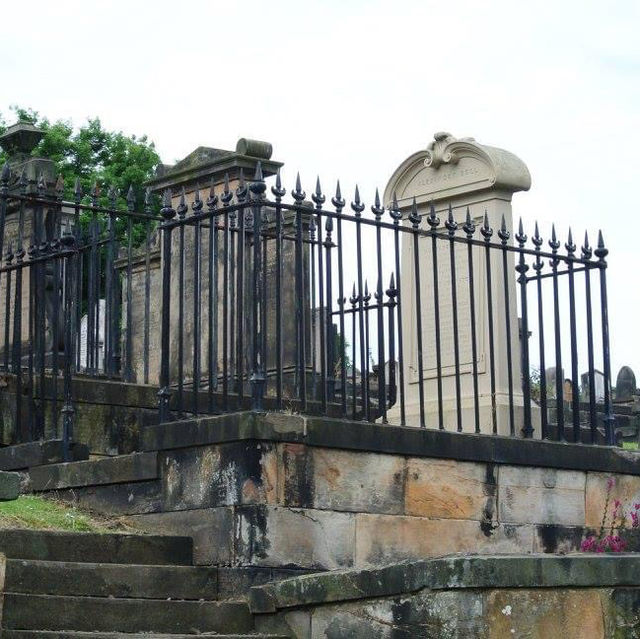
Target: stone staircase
[79, 585]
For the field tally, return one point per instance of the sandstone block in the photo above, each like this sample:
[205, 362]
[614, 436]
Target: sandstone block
[450, 489]
[626, 488]
[221, 475]
[357, 482]
[542, 614]
[383, 539]
[210, 528]
[541, 496]
[280, 536]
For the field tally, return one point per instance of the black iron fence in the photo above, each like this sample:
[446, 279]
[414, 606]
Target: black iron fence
[406, 314]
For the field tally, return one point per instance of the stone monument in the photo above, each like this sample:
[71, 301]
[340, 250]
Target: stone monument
[460, 173]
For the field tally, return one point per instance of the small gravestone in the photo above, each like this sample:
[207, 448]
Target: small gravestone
[625, 384]
[598, 384]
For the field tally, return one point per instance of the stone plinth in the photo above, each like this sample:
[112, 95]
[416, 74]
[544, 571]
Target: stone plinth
[461, 174]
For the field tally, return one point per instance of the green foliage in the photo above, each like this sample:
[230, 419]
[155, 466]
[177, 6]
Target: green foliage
[94, 155]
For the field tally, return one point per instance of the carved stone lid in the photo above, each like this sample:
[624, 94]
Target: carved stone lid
[451, 167]
[20, 139]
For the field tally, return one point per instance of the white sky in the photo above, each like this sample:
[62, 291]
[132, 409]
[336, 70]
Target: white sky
[349, 89]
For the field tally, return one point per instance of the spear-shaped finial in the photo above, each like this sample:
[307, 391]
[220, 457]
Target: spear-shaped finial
[23, 182]
[357, 205]
[298, 194]
[432, 219]
[553, 242]
[394, 211]
[354, 298]
[521, 238]
[601, 251]
[570, 246]
[414, 218]
[486, 230]
[167, 211]
[317, 197]
[469, 227]
[197, 204]
[182, 204]
[147, 200]
[212, 200]
[451, 224]
[277, 190]
[377, 209]
[587, 251]
[337, 199]
[503, 234]
[391, 291]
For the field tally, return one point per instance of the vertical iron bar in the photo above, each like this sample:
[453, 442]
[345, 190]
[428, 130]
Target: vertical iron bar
[147, 285]
[396, 216]
[392, 294]
[357, 206]
[196, 207]
[414, 218]
[537, 267]
[587, 254]
[128, 369]
[378, 211]
[452, 227]
[258, 376]
[278, 192]
[212, 351]
[470, 229]
[338, 202]
[575, 390]
[298, 195]
[354, 301]
[487, 232]
[165, 371]
[522, 269]
[226, 198]
[434, 222]
[319, 200]
[181, 210]
[609, 419]
[504, 236]
[331, 337]
[365, 368]
[7, 319]
[241, 194]
[555, 245]
[5, 176]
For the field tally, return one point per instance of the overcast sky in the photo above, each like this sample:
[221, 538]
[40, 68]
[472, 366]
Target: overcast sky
[349, 89]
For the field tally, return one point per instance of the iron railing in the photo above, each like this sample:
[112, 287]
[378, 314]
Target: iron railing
[243, 300]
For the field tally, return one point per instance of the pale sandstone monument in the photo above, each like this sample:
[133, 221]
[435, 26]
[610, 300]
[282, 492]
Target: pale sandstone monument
[460, 173]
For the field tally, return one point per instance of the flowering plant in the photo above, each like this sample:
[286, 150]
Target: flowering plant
[610, 536]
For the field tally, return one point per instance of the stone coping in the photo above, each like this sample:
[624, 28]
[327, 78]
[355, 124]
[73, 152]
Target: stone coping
[399, 440]
[447, 573]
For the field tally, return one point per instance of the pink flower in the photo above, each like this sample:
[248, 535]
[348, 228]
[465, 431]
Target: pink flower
[616, 503]
[611, 482]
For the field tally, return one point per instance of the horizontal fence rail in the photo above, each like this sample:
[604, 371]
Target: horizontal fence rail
[243, 299]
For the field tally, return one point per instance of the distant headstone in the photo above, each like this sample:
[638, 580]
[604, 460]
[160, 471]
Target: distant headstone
[598, 383]
[625, 384]
[551, 376]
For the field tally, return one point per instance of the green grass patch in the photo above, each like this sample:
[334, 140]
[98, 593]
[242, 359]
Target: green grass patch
[630, 445]
[29, 511]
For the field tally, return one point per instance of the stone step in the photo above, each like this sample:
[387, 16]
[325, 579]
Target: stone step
[96, 548]
[53, 634]
[32, 454]
[111, 580]
[95, 472]
[99, 614]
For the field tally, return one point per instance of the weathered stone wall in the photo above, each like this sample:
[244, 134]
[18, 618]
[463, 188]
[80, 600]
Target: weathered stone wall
[579, 597]
[281, 490]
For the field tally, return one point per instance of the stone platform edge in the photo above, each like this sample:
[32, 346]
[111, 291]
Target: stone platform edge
[384, 438]
[449, 573]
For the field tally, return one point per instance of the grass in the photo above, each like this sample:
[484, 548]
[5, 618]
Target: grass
[630, 445]
[29, 511]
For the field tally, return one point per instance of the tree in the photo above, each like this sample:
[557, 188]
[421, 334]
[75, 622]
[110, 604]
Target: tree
[93, 155]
